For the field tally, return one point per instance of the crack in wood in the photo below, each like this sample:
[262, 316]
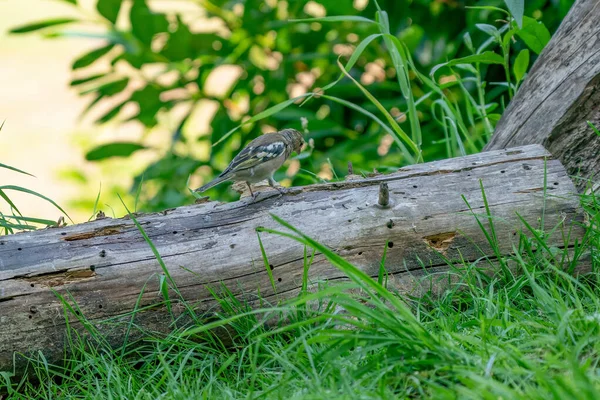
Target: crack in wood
[105, 231]
[52, 279]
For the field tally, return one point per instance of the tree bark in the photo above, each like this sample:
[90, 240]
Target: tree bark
[561, 93]
[105, 264]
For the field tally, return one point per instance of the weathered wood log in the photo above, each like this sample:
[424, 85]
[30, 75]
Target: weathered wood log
[104, 264]
[561, 93]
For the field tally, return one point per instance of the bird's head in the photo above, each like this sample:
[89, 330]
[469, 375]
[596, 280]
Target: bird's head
[295, 138]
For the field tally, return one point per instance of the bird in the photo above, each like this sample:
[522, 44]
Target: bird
[260, 159]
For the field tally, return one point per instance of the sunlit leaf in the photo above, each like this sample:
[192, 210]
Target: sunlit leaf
[81, 81]
[119, 149]
[534, 34]
[110, 114]
[42, 24]
[109, 88]
[89, 58]
[109, 9]
[145, 23]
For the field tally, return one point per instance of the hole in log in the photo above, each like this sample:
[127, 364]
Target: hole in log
[441, 241]
[174, 232]
[232, 245]
[19, 249]
[279, 279]
[32, 285]
[30, 316]
[102, 254]
[360, 253]
[106, 231]
[526, 167]
[390, 224]
[555, 183]
[415, 186]
[271, 267]
[100, 306]
[61, 278]
[63, 233]
[503, 171]
[390, 244]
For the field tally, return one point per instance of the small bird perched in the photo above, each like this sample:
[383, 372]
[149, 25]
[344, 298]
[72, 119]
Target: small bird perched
[260, 159]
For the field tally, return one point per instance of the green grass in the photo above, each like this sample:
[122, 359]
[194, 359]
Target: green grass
[528, 330]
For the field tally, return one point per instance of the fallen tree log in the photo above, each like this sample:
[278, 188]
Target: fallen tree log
[104, 264]
[561, 93]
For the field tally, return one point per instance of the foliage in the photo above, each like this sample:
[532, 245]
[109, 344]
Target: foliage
[165, 68]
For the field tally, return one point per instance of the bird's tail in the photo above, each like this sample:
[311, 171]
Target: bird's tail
[212, 183]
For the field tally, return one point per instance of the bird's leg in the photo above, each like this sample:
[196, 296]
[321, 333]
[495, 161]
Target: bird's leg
[273, 184]
[250, 189]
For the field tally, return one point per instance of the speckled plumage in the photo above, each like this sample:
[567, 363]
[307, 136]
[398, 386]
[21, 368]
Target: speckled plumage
[260, 159]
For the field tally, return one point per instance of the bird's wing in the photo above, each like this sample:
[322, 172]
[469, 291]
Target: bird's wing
[253, 155]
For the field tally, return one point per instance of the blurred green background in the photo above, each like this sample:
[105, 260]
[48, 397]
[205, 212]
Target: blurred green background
[160, 84]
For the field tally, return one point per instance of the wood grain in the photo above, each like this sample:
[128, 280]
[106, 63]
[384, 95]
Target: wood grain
[558, 96]
[104, 264]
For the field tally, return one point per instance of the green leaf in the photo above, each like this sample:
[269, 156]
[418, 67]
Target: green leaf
[42, 25]
[266, 261]
[593, 127]
[15, 169]
[42, 221]
[487, 57]
[517, 9]
[81, 81]
[119, 149]
[109, 9]
[491, 30]
[521, 64]
[24, 190]
[490, 8]
[92, 56]
[109, 88]
[335, 18]
[534, 34]
[110, 114]
[145, 23]
[468, 42]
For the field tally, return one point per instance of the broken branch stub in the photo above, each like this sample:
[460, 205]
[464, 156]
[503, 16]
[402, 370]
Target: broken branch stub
[104, 264]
